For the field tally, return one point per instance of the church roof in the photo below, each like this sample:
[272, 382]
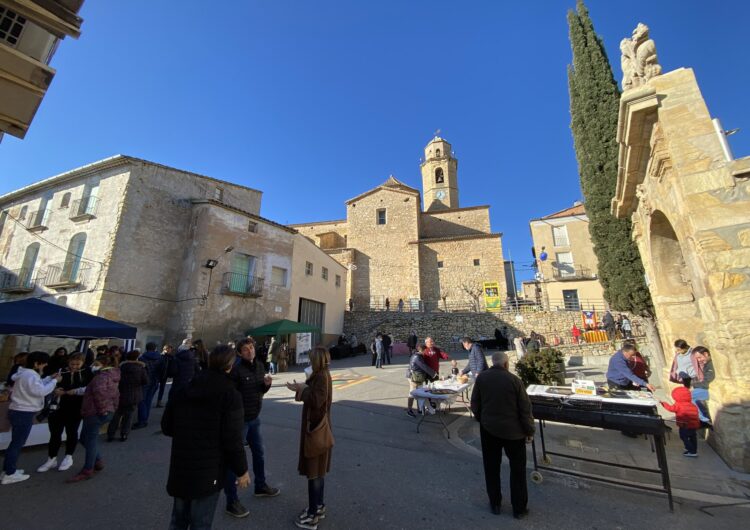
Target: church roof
[576, 209]
[391, 184]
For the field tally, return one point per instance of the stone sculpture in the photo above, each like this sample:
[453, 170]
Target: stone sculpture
[638, 61]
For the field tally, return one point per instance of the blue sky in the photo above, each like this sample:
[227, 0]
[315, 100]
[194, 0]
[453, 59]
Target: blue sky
[314, 102]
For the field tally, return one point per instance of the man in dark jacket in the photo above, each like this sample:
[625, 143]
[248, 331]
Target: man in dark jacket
[387, 348]
[250, 379]
[411, 341]
[154, 363]
[503, 410]
[477, 363]
[185, 366]
[204, 420]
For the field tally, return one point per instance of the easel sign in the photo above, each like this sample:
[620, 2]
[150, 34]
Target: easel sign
[304, 345]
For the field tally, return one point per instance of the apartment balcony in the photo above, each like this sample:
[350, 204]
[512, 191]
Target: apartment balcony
[68, 275]
[242, 285]
[84, 208]
[38, 221]
[566, 273]
[19, 281]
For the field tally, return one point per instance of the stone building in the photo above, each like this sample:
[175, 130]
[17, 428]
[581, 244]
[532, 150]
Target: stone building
[30, 32]
[171, 252]
[567, 279]
[689, 201]
[432, 257]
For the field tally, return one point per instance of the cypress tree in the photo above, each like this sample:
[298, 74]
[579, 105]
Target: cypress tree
[594, 107]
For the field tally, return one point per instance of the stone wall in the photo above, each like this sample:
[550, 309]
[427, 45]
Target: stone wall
[475, 220]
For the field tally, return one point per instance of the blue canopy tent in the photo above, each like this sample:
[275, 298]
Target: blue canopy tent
[42, 319]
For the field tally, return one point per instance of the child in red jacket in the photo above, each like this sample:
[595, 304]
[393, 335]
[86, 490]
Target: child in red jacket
[687, 418]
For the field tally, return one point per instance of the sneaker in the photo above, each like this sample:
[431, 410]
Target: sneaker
[267, 491]
[82, 475]
[411, 413]
[320, 513]
[66, 463]
[521, 514]
[18, 476]
[690, 455]
[99, 464]
[308, 521]
[124, 438]
[236, 509]
[49, 464]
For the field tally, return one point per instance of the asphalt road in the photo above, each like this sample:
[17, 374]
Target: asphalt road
[384, 475]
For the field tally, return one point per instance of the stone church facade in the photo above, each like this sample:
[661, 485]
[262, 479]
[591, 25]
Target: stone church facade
[431, 256]
[689, 201]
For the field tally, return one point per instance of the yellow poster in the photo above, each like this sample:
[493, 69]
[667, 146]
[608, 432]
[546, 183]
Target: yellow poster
[492, 300]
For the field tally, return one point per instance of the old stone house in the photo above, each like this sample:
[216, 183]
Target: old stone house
[567, 276]
[689, 201]
[172, 252]
[434, 257]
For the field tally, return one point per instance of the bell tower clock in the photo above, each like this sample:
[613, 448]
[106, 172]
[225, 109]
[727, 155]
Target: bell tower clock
[439, 176]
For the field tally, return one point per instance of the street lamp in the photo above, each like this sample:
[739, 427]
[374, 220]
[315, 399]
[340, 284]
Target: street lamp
[211, 265]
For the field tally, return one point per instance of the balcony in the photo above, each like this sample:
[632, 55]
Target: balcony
[20, 281]
[242, 285]
[68, 275]
[38, 220]
[566, 273]
[84, 208]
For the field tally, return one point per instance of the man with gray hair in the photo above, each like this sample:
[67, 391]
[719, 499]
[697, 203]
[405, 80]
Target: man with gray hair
[477, 363]
[503, 410]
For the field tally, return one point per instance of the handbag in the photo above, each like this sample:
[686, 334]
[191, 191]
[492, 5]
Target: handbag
[318, 440]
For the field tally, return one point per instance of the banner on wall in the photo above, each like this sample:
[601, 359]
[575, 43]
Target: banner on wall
[304, 345]
[492, 300]
[589, 319]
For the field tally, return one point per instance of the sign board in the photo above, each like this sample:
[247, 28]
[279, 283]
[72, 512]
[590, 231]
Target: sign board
[304, 345]
[492, 300]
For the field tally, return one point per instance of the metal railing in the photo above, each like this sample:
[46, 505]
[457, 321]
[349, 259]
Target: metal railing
[84, 208]
[18, 281]
[377, 303]
[67, 275]
[38, 220]
[563, 273]
[242, 284]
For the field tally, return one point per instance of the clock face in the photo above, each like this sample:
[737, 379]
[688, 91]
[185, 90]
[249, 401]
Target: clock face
[440, 195]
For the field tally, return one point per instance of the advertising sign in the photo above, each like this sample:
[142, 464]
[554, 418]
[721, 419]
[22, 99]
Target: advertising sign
[492, 300]
[304, 345]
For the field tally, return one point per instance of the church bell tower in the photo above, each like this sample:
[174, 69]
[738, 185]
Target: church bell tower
[439, 176]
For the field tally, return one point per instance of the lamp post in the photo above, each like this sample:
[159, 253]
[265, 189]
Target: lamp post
[210, 265]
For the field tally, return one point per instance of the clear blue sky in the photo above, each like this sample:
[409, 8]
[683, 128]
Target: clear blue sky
[314, 102]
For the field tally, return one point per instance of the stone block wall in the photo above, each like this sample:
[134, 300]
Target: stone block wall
[460, 222]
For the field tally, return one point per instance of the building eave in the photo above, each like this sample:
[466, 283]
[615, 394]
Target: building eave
[464, 209]
[407, 191]
[335, 221]
[252, 216]
[424, 241]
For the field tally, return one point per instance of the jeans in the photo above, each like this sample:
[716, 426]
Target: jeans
[90, 437]
[689, 438]
[162, 388]
[378, 360]
[272, 365]
[196, 514]
[492, 455]
[144, 407]
[700, 397]
[388, 354]
[122, 418]
[315, 494]
[255, 441]
[20, 424]
[66, 419]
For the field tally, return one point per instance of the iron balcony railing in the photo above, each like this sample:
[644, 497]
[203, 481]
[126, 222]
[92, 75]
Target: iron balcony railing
[18, 281]
[67, 275]
[38, 220]
[242, 285]
[568, 272]
[84, 208]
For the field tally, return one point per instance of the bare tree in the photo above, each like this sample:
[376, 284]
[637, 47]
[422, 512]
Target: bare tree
[474, 292]
[444, 297]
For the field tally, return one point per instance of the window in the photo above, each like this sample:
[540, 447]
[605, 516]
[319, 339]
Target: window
[73, 258]
[324, 273]
[338, 280]
[440, 264]
[26, 273]
[219, 194]
[242, 279]
[565, 264]
[439, 177]
[65, 200]
[252, 226]
[11, 26]
[278, 276]
[308, 268]
[22, 215]
[381, 216]
[560, 236]
[476, 263]
[437, 152]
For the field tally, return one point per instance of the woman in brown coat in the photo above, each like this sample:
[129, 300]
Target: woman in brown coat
[315, 394]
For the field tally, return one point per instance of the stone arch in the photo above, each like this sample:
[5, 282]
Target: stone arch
[439, 176]
[671, 276]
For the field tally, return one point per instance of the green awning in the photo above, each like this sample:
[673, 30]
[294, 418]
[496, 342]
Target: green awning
[282, 327]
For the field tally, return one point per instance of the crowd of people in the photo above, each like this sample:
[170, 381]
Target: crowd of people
[212, 411]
